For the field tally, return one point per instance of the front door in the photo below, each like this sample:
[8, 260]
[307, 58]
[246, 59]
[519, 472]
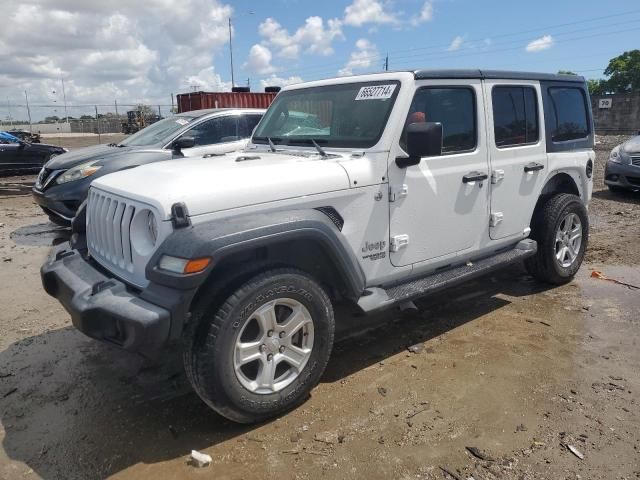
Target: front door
[216, 136]
[435, 209]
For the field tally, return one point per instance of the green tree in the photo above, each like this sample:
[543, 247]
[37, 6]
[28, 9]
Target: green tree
[566, 72]
[597, 86]
[624, 72]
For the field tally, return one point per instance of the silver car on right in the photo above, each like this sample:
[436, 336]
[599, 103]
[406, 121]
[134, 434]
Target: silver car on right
[622, 171]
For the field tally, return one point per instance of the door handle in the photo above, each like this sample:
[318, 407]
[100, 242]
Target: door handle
[533, 167]
[474, 177]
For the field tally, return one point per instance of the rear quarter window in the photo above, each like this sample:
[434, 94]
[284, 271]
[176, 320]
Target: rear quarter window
[569, 118]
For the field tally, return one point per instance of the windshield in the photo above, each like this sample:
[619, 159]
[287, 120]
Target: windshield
[158, 132]
[349, 115]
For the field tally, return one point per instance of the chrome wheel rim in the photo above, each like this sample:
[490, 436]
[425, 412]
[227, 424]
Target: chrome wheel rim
[273, 346]
[568, 240]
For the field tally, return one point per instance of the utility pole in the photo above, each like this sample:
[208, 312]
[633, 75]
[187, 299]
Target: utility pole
[28, 110]
[231, 54]
[115, 103]
[386, 63]
[9, 113]
[64, 97]
[98, 124]
[172, 103]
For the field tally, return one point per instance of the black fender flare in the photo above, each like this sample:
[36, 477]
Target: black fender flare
[221, 238]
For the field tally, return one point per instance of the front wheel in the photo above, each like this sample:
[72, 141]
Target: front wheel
[261, 352]
[561, 228]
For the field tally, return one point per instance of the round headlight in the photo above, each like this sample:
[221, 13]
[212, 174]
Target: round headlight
[152, 225]
[144, 232]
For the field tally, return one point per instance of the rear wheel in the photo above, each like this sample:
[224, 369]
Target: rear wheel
[561, 228]
[262, 351]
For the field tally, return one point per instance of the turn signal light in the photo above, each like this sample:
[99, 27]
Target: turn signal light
[196, 265]
[183, 265]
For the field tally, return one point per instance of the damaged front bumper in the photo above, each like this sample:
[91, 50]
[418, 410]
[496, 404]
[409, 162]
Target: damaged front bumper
[105, 308]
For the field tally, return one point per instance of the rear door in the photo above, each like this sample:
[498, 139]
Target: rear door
[517, 154]
[10, 155]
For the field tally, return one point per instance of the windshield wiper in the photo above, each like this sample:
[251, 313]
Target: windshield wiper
[272, 147]
[320, 150]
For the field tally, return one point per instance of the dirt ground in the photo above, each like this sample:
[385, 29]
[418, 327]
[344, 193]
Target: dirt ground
[519, 371]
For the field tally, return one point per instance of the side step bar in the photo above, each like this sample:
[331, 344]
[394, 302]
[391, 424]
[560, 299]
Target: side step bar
[377, 298]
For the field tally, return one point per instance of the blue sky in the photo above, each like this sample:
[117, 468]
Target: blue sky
[130, 52]
[571, 35]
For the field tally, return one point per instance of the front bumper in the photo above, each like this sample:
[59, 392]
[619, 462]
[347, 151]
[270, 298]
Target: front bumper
[104, 308]
[622, 175]
[53, 206]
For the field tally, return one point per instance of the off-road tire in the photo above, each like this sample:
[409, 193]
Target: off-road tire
[209, 341]
[543, 265]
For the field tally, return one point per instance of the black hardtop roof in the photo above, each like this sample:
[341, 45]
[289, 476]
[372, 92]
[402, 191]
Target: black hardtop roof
[494, 74]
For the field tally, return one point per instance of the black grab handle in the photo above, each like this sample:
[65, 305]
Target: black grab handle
[533, 167]
[474, 177]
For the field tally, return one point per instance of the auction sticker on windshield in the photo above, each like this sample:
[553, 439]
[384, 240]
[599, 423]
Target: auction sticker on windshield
[375, 92]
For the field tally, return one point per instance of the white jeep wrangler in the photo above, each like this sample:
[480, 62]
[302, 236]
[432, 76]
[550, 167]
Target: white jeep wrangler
[373, 189]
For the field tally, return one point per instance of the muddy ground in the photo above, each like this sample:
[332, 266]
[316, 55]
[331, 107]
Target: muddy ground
[515, 369]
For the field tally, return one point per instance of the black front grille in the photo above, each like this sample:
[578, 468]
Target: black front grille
[42, 177]
[635, 160]
[634, 180]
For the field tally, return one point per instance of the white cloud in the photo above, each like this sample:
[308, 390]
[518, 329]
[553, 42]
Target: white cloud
[274, 81]
[312, 37]
[132, 51]
[425, 15]
[365, 55]
[367, 11]
[208, 80]
[259, 60]
[456, 43]
[540, 44]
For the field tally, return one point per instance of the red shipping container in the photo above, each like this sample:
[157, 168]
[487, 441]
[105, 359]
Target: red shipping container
[202, 100]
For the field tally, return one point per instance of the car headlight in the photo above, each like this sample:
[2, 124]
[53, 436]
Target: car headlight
[152, 226]
[78, 172]
[144, 232]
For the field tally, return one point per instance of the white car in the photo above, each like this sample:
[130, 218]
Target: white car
[373, 189]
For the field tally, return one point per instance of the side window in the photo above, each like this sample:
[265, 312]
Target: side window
[569, 116]
[515, 115]
[216, 130]
[247, 124]
[454, 108]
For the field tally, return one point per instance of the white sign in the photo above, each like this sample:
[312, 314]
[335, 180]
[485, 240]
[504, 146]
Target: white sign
[605, 103]
[376, 92]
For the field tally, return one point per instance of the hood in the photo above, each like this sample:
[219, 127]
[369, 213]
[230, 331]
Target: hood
[45, 146]
[632, 145]
[87, 154]
[208, 185]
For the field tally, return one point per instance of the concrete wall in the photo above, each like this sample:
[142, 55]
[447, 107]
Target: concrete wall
[623, 116]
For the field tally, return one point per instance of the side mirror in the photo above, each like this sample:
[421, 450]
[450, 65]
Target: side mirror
[423, 140]
[183, 142]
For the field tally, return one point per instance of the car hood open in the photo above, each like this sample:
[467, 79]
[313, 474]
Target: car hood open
[207, 185]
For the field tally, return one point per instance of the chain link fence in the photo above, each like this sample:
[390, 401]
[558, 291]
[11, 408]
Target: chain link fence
[81, 119]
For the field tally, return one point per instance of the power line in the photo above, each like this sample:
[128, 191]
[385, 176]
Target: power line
[436, 49]
[456, 56]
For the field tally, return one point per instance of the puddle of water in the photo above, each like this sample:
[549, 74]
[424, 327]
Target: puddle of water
[40, 235]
